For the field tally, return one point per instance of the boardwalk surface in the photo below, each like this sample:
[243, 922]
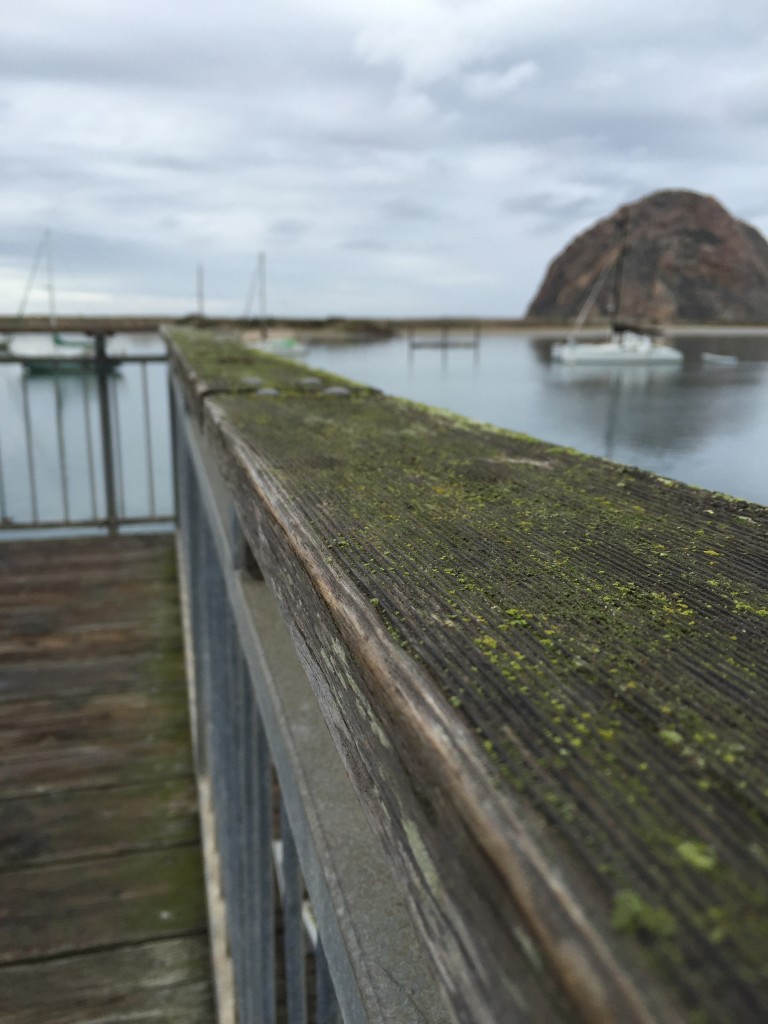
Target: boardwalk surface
[102, 908]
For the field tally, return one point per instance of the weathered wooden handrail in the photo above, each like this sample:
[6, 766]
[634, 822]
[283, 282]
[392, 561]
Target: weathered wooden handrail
[282, 804]
[546, 675]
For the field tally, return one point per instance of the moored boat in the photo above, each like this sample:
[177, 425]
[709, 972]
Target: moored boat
[40, 366]
[627, 344]
[624, 346]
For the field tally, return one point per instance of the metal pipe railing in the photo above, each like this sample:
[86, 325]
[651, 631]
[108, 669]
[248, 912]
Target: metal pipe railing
[83, 440]
[107, 447]
[247, 804]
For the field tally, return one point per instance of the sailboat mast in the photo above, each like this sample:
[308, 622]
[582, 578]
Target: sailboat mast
[587, 307]
[619, 280]
[200, 290]
[51, 287]
[41, 246]
[263, 293]
[258, 285]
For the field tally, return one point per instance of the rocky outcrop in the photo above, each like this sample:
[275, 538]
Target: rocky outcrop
[685, 259]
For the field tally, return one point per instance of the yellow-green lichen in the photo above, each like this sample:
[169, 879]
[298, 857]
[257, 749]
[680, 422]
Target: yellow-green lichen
[632, 913]
[697, 855]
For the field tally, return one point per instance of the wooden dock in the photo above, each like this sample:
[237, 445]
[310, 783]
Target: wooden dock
[102, 906]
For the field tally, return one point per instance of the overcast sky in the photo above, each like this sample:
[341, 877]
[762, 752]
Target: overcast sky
[391, 157]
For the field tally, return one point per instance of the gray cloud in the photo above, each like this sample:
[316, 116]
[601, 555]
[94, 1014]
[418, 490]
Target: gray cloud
[553, 209]
[289, 227]
[365, 245]
[381, 153]
[408, 210]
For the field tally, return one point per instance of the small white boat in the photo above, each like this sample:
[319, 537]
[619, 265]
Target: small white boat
[83, 342]
[624, 347]
[283, 347]
[716, 359]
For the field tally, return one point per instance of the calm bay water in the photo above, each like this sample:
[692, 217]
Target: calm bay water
[704, 424]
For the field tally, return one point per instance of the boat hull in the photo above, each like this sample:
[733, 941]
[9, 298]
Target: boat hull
[621, 350]
[66, 367]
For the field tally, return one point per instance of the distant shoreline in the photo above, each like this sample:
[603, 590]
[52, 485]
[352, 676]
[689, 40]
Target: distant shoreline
[371, 326]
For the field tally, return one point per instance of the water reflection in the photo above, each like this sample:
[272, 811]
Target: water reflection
[657, 408]
[616, 402]
[750, 348]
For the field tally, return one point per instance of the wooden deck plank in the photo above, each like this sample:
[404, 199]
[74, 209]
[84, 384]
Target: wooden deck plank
[110, 763]
[102, 907]
[164, 980]
[39, 620]
[40, 724]
[39, 634]
[83, 552]
[106, 673]
[62, 825]
[91, 904]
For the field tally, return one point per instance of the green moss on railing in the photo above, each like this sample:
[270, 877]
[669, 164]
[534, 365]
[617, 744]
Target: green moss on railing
[602, 631]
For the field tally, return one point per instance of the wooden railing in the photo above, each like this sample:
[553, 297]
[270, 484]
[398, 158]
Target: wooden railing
[317, 927]
[541, 676]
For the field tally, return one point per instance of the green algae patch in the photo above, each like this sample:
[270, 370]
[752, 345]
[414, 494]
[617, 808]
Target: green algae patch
[698, 855]
[224, 364]
[602, 632]
[631, 913]
[161, 892]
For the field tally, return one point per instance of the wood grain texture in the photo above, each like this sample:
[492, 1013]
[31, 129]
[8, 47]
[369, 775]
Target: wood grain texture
[164, 980]
[94, 903]
[62, 824]
[546, 675]
[102, 908]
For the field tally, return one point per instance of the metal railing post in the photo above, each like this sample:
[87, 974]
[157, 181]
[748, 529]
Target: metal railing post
[176, 453]
[102, 377]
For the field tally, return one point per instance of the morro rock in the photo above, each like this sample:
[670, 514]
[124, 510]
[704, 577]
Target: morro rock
[685, 258]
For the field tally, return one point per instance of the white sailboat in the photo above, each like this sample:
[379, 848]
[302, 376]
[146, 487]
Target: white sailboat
[41, 249]
[276, 345]
[80, 359]
[626, 345]
[44, 249]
